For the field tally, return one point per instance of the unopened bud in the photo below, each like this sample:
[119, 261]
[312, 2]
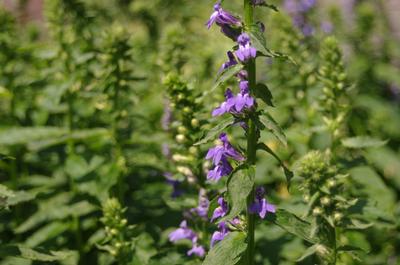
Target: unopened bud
[325, 201]
[187, 110]
[184, 170]
[195, 123]
[193, 150]
[180, 138]
[317, 211]
[118, 245]
[124, 221]
[180, 96]
[114, 231]
[331, 183]
[182, 129]
[337, 216]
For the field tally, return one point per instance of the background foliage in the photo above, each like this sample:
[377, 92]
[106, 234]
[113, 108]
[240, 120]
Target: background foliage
[82, 97]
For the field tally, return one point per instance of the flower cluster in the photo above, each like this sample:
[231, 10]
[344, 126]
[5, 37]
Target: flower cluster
[239, 105]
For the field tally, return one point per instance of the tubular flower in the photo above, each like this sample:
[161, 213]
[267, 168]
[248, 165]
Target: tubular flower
[223, 151]
[222, 17]
[220, 170]
[260, 206]
[202, 209]
[231, 62]
[183, 232]
[219, 234]
[197, 250]
[221, 210]
[175, 184]
[236, 104]
[245, 51]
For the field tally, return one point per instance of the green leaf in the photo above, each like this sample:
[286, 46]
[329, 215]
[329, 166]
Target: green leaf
[239, 186]
[347, 248]
[228, 251]
[363, 142]
[37, 138]
[259, 42]
[293, 225]
[227, 74]
[309, 251]
[46, 233]
[286, 171]
[9, 197]
[32, 254]
[262, 91]
[270, 124]
[214, 132]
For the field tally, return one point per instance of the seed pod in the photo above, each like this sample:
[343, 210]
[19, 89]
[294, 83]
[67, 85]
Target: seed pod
[195, 123]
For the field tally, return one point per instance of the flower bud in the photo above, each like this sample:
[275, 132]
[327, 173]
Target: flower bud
[337, 216]
[124, 222]
[182, 129]
[325, 201]
[317, 211]
[195, 123]
[193, 150]
[184, 170]
[180, 138]
[306, 198]
[172, 105]
[118, 245]
[331, 183]
[187, 110]
[114, 231]
[180, 96]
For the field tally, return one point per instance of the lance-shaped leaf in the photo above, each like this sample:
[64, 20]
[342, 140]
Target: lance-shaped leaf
[259, 42]
[226, 74]
[20, 251]
[288, 173]
[293, 224]
[262, 91]
[309, 252]
[265, 121]
[362, 142]
[214, 132]
[228, 251]
[239, 187]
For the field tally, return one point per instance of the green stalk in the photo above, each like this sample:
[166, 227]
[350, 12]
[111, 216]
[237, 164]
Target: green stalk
[251, 142]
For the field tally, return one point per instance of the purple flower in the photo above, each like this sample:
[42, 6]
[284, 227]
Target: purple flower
[183, 232]
[235, 104]
[221, 210]
[260, 206]
[245, 51]
[196, 250]
[231, 62]
[221, 17]
[202, 209]
[220, 234]
[223, 151]
[176, 192]
[230, 32]
[225, 106]
[327, 27]
[219, 171]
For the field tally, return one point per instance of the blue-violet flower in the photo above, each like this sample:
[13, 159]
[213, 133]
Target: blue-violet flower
[260, 206]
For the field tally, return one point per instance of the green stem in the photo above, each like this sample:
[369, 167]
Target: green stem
[251, 142]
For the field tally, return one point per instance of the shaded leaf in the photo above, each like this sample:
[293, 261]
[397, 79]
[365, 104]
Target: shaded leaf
[270, 124]
[309, 251]
[226, 74]
[286, 171]
[228, 251]
[32, 254]
[362, 142]
[239, 186]
[262, 91]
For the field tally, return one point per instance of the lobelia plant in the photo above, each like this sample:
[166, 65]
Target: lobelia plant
[241, 202]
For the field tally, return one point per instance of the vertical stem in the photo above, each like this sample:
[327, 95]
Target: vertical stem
[251, 141]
